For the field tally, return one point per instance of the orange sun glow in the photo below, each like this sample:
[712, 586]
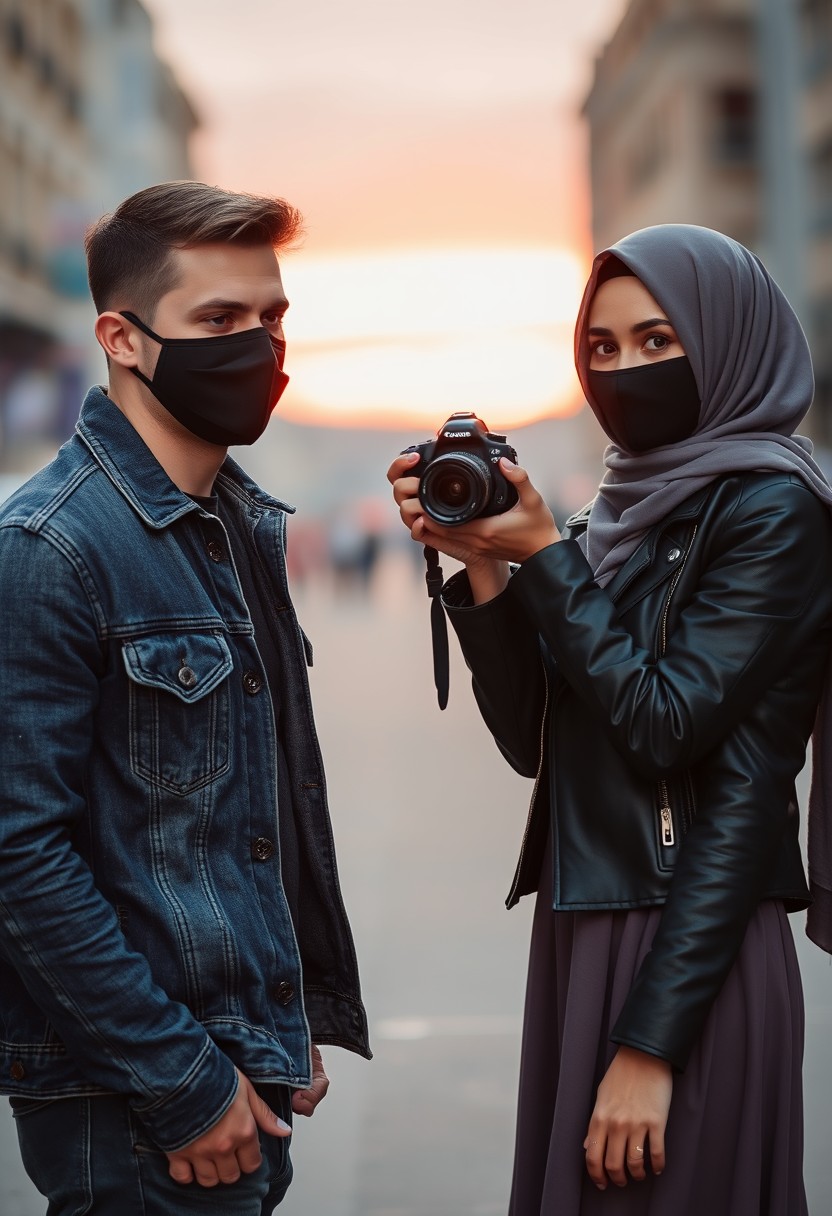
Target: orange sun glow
[397, 339]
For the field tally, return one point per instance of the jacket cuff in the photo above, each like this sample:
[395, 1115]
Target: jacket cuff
[623, 1039]
[199, 1101]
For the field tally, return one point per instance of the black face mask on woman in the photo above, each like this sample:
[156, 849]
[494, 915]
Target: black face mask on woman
[647, 406]
[221, 389]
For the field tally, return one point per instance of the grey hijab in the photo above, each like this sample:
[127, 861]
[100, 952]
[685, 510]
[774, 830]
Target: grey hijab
[754, 374]
[752, 367]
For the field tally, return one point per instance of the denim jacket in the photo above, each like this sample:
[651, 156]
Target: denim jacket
[146, 946]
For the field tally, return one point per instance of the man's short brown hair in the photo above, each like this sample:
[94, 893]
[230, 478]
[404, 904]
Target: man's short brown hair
[129, 252]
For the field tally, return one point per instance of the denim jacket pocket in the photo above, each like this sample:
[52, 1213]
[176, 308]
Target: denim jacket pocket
[179, 711]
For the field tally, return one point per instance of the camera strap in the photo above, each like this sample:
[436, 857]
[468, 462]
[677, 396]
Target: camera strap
[438, 625]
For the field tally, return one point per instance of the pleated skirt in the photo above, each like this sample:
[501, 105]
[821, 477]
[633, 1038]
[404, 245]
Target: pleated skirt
[734, 1140]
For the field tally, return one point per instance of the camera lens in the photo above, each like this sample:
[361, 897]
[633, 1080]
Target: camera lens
[455, 487]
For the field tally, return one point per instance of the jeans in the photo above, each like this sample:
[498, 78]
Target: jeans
[92, 1157]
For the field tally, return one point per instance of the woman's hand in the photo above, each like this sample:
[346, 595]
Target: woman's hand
[512, 537]
[629, 1118]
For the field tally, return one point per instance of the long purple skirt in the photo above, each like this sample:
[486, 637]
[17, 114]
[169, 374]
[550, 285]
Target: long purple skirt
[734, 1140]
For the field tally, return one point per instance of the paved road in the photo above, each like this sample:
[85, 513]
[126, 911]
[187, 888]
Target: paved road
[427, 821]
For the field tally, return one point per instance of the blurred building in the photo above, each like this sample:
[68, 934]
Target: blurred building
[719, 112]
[671, 116]
[815, 120]
[88, 114]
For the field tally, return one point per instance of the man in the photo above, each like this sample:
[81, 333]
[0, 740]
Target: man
[172, 935]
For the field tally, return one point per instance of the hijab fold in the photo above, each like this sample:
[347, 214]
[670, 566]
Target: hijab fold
[753, 370]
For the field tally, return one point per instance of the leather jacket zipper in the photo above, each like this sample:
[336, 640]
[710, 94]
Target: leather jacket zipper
[667, 832]
[512, 895]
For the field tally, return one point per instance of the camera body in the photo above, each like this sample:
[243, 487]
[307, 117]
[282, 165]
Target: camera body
[459, 474]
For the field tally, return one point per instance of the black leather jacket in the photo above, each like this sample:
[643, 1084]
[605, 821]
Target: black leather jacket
[665, 719]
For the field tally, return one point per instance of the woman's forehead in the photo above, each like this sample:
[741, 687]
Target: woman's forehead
[622, 301]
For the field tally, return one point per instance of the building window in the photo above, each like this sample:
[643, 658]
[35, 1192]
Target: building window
[735, 126]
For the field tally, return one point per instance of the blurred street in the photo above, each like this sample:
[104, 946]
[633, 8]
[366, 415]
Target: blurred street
[428, 820]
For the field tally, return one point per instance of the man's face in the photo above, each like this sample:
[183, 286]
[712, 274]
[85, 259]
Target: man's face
[222, 289]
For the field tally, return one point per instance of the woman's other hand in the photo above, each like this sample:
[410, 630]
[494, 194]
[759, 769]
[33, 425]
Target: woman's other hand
[629, 1119]
[511, 537]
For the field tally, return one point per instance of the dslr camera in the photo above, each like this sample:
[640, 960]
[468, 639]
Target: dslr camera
[459, 475]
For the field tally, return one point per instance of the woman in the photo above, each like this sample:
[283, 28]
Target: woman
[657, 669]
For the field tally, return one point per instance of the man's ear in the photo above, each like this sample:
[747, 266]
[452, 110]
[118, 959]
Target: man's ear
[118, 339]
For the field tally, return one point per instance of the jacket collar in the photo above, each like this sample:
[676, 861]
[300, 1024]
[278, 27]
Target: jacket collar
[638, 561]
[126, 459]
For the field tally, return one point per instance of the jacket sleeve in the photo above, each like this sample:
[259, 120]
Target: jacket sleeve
[767, 565]
[502, 650]
[56, 929]
[764, 596]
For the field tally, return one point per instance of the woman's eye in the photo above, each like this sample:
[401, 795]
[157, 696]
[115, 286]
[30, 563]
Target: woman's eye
[604, 348]
[657, 342]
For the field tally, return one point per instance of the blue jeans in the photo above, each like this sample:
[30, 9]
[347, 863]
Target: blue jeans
[93, 1157]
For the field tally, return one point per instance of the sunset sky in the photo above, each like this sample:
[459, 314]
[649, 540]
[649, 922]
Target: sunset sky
[438, 156]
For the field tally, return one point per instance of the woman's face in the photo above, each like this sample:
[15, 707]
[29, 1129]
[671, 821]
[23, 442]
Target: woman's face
[627, 327]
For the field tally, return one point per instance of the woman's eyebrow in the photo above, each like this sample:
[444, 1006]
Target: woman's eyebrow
[598, 331]
[642, 325]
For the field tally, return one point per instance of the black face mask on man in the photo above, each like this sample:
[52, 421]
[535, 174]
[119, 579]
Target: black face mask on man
[221, 389]
[647, 406]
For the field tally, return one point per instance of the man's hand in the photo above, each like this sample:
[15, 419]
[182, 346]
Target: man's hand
[232, 1146]
[629, 1119]
[304, 1101]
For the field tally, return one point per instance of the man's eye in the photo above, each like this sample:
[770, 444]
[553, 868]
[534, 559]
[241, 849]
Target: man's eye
[220, 320]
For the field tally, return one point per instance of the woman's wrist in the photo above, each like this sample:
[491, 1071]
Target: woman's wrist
[488, 578]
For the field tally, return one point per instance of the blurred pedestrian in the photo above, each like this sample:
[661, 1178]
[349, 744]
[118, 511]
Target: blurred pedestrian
[657, 670]
[174, 945]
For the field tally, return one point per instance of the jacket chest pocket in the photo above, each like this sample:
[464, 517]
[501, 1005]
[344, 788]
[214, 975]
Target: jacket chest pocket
[179, 708]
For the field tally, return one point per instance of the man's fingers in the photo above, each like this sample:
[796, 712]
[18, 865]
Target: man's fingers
[206, 1174]
[180, 1170]
[229, 1169]
[304, 1101]
[266, 1120]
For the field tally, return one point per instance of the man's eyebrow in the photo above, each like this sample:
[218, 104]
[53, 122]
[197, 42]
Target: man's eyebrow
[278, 304]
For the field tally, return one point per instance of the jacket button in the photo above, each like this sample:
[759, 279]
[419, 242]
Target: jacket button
[186, 677]
[284, 992]
[262, 848]
[215, 551]
[252, 682]
[17, 1072]
[674, 555]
